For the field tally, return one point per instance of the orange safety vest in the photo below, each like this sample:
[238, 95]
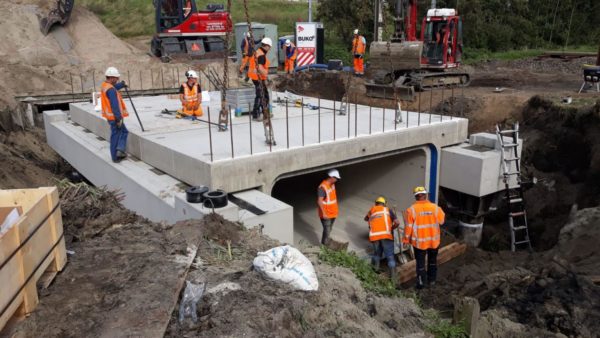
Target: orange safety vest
[285, 52]
[422, 228]
[190, 95]
[253, 69]
[107, 112]
[380, 223]
[330, 204]
[358, 45]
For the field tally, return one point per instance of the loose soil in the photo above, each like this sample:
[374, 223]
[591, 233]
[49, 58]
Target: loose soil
[125, 274]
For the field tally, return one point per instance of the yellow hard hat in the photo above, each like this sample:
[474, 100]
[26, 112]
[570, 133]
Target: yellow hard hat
[380, 199]
[419, 190]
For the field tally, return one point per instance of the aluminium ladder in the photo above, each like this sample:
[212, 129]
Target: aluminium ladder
[511, 166]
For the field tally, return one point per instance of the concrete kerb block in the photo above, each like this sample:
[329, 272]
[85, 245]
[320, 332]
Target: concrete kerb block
[467, 312]
[52, 116]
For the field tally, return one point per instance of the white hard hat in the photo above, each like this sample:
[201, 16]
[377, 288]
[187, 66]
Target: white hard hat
[356, 31]
[288, 42]
[192, 74]
[334, 173]
[112, 72]
[267, 41]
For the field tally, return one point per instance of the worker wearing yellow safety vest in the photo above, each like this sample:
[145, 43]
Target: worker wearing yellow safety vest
[327, 203]
[359, 45]
[382, 222]
[114, 111]
[258, 72]
[422, 231]
[190, 95]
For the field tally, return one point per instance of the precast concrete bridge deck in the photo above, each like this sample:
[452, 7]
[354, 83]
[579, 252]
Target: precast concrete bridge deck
[378, 151]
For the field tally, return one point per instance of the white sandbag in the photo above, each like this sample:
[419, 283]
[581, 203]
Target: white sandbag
[288, 265]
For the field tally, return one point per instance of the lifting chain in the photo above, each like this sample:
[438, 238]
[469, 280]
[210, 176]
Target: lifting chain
[398, 104]
[224, 115]
[269, 135]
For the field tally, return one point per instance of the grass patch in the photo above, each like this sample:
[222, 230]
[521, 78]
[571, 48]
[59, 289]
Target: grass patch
[443, 328]
[474, 56]
[363, 270]
[136, 17]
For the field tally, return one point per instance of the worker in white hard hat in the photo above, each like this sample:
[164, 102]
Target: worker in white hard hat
[190, 95]
[247, 50]
[327, 203]
[291, 52]
[114, 111]
[258, 71]
[382, 222]
[422, 231]
[359, 46]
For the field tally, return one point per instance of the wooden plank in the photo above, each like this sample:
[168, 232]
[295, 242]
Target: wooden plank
[408, 271]
[31, 259]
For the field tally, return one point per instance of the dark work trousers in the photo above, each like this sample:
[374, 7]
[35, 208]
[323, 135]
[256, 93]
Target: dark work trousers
[430, 273]
[118, 138]
[258, 107]
[327, 227]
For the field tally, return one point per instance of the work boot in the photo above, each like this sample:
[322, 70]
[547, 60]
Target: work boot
[393, 275]
[121, 154]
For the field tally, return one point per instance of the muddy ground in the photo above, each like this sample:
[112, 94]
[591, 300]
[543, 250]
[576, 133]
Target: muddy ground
[125, 274]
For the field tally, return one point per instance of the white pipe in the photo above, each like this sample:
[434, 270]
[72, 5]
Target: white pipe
[309, 10]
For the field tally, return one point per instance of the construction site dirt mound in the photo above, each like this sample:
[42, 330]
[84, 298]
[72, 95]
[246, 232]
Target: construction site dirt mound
[239, 302]
[88, 211]
[125, 281]
[27, 161]
[527, 295]
[325, 85]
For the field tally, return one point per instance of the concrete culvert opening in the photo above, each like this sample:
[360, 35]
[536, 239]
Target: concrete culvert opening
[392, 176]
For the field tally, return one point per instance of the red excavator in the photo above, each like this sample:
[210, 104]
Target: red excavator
[406, 63]
[181, 29]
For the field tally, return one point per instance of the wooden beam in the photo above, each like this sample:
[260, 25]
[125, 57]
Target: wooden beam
[408, 271]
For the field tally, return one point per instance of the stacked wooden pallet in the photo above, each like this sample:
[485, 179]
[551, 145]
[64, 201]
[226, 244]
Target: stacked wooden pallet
[32, 248]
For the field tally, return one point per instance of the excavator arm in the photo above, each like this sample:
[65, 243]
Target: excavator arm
[58, 12]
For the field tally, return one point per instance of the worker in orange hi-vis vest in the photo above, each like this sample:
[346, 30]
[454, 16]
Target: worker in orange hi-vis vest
[327, 203]
[422, 231]
[115, 112]
[291, 52]
[359, 46]
[382, 222]
[190, 95]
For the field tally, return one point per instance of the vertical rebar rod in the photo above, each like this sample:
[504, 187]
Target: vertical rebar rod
[128, 79]
[419, 112]
[396, 115]
[72, 88]
[210, 136]
[162, 78]
[302, 121]
[319, 115]
[250, 126]
[348, 112]
[383, 118]
[94, 79]
[287, 124]
[452, 100]
[141, 83]
[334, 120]
[355, 116]
[370, 117]
[230, 131]
[430, 105]
[442, 105]
[81, 82]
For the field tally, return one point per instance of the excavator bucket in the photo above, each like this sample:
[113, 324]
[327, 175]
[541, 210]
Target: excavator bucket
[59, 13]
[385, 58]
[388, 60]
